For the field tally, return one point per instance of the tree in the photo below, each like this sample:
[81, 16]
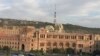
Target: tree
[62, 50]
[69, 51]
[31, 51]
[0, 48]
[96, 52]
[6, 49]
[49, 51]
[56, 50]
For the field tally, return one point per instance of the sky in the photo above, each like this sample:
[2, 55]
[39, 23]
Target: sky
[78, 12]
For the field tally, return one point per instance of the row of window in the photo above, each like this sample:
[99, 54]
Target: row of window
[10, 32]
[8, 39]
[10, 46]
[10, 27]
[62, 44]
[9, 43]
[64, 36]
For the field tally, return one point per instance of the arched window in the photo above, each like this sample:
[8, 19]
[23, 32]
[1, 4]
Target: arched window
[61, 44]
[55, 44]
[48, 44]
[73, 44]
[31, 44]
[41, 44]
[90, 37]
[67, 44]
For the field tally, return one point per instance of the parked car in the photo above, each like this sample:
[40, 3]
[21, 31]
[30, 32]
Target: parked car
[20, 54]
[31, 54]
[14, 55]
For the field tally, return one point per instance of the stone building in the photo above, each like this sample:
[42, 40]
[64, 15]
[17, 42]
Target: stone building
[29, 38]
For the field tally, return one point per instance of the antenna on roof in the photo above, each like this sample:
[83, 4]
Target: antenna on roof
[55, 15]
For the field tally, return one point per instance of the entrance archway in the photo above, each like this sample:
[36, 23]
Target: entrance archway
[23, 47]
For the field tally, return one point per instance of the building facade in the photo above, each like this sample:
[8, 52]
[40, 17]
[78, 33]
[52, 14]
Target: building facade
[29, 38]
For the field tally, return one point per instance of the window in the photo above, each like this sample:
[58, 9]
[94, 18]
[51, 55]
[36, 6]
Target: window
[90, 37]
[90, 46]
[10, 42]
[54, 36]
[80, 45]
[73, 37]
[31, 44]
[34, 34]
[48, 44]
[41, 44]
[61, 36]
[67, 44]
[67, 37]
[61, 44]
[10, 27]
[48, 36]
[15, 43]
[42, 36]
[81, 37]
[32, 40]
[73, 44]
[54, 44]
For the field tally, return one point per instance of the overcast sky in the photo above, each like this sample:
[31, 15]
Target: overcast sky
[77, 12]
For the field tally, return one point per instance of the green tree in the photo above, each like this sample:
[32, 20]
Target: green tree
[49, 51]
[62, 50]
[32, 51]
[0, 48]
[56, 50]
[69, 51]
[6, 49]
[41, 51]
[96, 52]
